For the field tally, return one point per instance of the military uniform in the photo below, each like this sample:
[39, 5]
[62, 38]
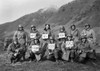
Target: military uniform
[44, 41]
[20, 36]
[34, 33]
[85, 51]
[13, 50]
[61, 38]
[35, 50]
[90, 34]
[52, 49]
[68, 49]
[6, 43]
[76, 35]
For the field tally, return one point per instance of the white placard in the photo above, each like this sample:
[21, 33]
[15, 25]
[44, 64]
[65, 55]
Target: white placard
[44, 36]
[35, 48]
[32, 35]
[51, 46]
[69, 44]
[61, 35]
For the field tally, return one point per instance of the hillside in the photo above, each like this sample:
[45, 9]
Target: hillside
[80, 12]
[38, 18]
[76, 12]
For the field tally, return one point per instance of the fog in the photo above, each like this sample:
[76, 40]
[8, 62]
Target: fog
[13, 9]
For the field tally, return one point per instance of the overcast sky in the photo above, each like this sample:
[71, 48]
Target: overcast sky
[13, 9]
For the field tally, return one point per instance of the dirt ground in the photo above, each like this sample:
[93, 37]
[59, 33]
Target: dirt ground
[49, 65]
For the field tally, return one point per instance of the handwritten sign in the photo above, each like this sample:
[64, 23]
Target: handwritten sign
[32, 35]
[51, 46]
[69, 44]
[61, 35]
[35, 48]
[44, 36]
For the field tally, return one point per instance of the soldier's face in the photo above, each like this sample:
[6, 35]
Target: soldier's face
[20, 29]
[69, 38]
[51, 40]
[47, 26]
[73, 27]
[83, 40]
[33, 28]
[61, 30]
[87, 27]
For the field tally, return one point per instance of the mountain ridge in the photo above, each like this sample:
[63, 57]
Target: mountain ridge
[78, 12]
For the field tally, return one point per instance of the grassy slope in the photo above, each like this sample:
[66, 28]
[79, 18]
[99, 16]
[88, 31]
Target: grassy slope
[77, 12]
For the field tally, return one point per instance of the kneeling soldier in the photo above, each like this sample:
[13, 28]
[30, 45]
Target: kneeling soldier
[85, 51]
[14, 52]
[52, 50]
[35, 50]
[68, 49]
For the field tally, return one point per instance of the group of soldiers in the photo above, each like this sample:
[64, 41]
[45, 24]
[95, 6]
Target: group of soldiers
[72, 46]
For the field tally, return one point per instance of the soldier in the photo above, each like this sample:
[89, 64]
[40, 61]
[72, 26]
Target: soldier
[13, 52]
[62, 34]
[52, 49]
[34, 33]
[45, 37]
[20, 36]
[7, 41]
[75, 33]
[85, 50]
[35, 50]
[89, 33]
[68, 49]
[61, 37]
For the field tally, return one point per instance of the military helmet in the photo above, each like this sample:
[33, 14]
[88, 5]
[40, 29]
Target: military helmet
[32, 26]
[48, 26]
[51, 38]
[83, 37]
[62, 28]
[87, 25]
[20, 26]
[72, 25]
[69, 35]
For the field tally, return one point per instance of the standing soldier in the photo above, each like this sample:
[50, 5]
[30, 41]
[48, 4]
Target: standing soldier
[89, 33]
[45, 37]
[21, 37]
[75, 33]
[61, 36]
[34, 33]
